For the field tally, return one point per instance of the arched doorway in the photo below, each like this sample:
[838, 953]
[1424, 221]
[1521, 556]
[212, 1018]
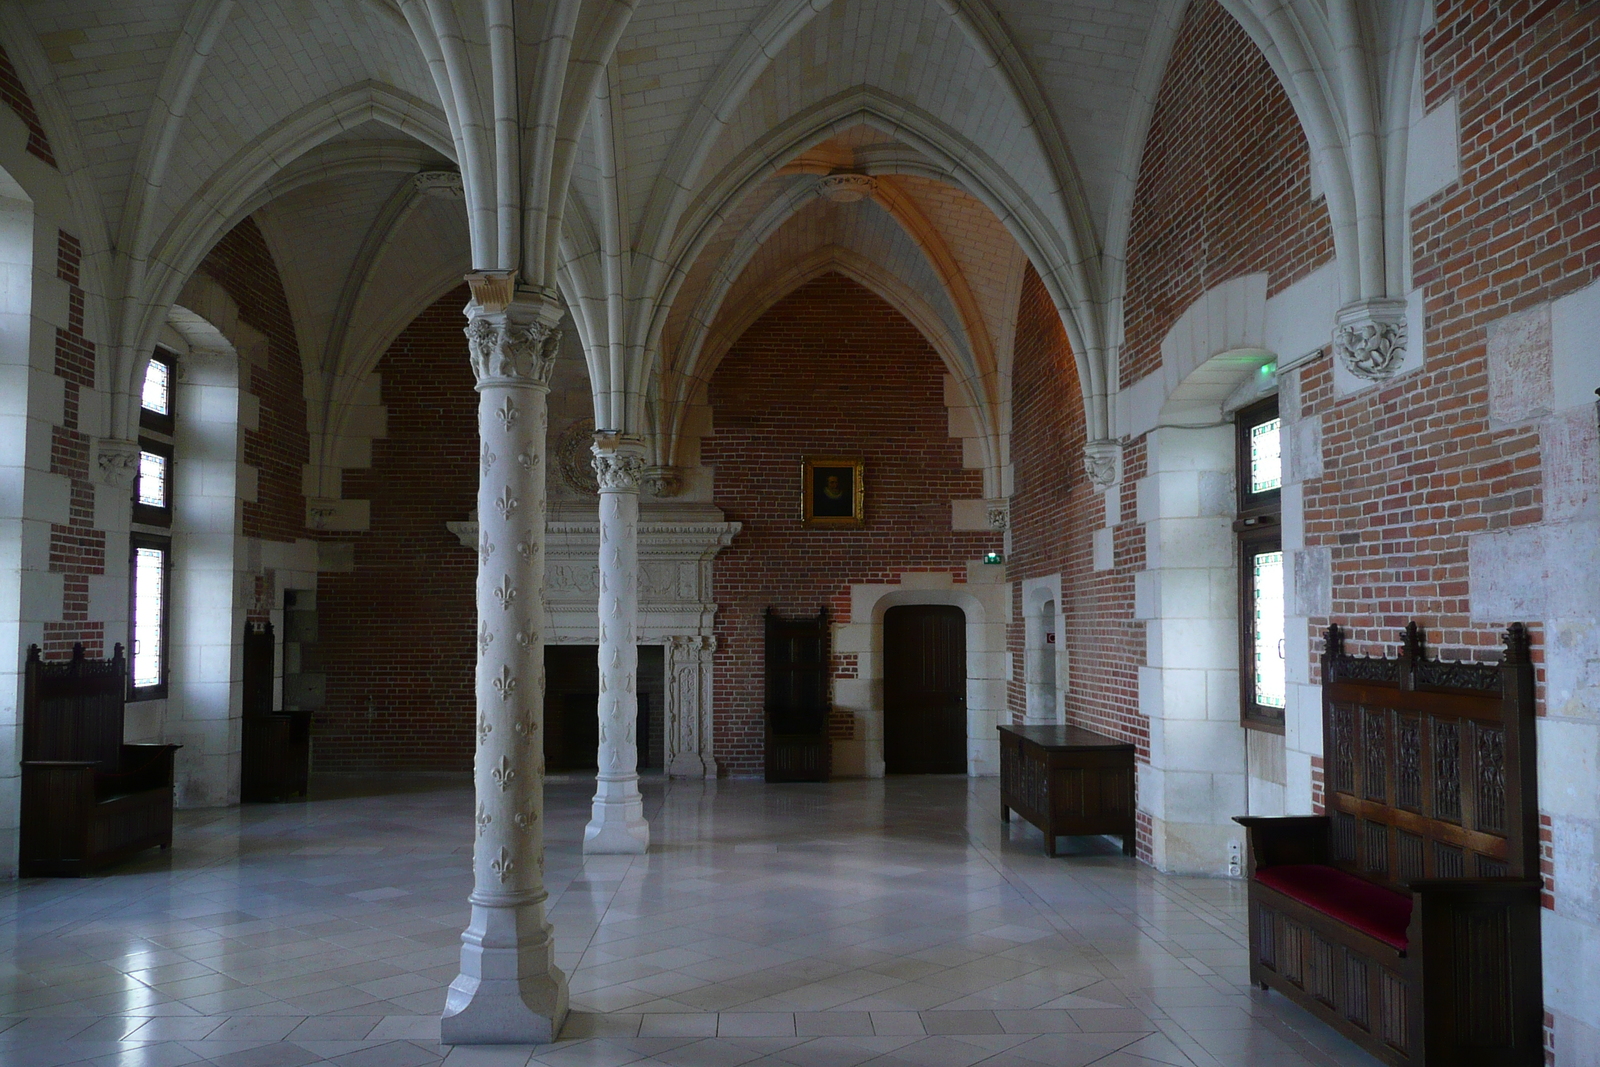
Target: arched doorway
[925, 690]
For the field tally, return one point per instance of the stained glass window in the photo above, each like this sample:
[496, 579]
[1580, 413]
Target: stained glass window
[157, 394]
[1266, 456]
[152, 479]
[149, 614]
[1266, 589]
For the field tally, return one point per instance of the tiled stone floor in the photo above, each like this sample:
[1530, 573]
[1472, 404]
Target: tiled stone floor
[893, 922]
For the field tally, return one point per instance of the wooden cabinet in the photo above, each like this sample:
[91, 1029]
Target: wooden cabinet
[1066, 780]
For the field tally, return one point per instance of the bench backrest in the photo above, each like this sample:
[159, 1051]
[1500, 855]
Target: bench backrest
[72, 709]
[1430, 764]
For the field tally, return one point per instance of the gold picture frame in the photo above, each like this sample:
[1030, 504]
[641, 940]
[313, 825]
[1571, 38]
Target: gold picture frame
[833, 491]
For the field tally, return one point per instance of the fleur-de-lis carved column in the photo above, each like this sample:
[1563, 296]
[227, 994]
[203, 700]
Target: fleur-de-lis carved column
[509, 990]
[617, 825]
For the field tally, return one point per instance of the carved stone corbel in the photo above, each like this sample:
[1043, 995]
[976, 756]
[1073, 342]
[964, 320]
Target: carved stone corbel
[662, 481]
[1102, 461]
[116, 461]
[999, 514]
[1369, 338]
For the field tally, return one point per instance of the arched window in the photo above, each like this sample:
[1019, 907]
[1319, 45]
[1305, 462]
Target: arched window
[150, 546]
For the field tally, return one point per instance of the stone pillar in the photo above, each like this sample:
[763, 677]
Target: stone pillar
[688, 707]
[617, 826]
[509, 990]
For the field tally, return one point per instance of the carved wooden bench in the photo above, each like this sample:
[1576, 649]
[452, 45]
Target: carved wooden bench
[1408, 916]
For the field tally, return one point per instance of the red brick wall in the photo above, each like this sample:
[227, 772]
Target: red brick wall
[77, 549]
[1054, 513]
[15, 96]
[1522, 226]
[1224, 186]
[396, 635]
[242, 264]
[831, 369]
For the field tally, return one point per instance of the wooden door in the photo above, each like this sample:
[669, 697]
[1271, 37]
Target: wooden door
[797, 699]
[925, 690]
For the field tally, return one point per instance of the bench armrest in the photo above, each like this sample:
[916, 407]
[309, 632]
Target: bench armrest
[1288, 839]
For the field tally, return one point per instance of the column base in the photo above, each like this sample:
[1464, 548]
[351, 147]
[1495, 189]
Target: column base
[509, 991]
[618, 826]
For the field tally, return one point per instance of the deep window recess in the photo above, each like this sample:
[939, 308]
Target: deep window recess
[149, 568]
[152, 490]
[1262, 680]
[155, 398]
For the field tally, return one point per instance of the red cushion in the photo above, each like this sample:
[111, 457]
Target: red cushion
[1370, 908]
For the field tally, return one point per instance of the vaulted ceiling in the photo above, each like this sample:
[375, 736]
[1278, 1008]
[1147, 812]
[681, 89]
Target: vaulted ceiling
[708, 166]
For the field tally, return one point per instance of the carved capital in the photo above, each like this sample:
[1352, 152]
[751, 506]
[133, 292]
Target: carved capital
[662, 481]
[1102, 462]
[618, 463]
[439, 184]
[117, 461]
[999, 512]
[846, 188]
[1369, 338]
[512, 335]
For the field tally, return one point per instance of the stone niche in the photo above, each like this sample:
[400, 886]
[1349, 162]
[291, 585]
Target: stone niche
[675, 610]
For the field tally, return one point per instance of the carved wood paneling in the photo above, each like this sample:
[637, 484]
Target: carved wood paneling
[1292, 953]
[1375, 750]
[1323, 980]
[1482, 976]
[1342, 771]
[1375, 850]
[1408, 760]
[1491, 780]
[1447, 769]
[1344, 837]
[1409, 862]
[1358, 991]
[1448, 861]
[1393, 1011]
[1267, 936]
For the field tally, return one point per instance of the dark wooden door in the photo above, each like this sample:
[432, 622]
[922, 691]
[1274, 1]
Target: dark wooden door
[797, 699]
[925, 690]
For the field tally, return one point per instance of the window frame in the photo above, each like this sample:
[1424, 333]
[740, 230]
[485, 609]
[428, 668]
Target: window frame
[137, 541]
[1258, 528]
[154, 421]
[150, 514]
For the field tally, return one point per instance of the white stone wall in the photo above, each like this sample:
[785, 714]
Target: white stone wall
[985, 599]
[1544, 365]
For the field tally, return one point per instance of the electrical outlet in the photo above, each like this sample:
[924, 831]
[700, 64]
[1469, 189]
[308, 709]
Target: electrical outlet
[1235, 860]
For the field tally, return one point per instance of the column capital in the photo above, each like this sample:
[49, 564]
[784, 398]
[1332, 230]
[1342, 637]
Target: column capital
[512, 334]
[618, 462]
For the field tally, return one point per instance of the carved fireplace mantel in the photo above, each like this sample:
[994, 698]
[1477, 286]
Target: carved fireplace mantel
[675, 611]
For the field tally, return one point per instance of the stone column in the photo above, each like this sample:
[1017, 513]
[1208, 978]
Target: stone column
[617, 826]
[509, 990]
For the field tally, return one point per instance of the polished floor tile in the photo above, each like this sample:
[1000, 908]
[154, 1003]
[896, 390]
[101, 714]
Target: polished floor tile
[892, 922]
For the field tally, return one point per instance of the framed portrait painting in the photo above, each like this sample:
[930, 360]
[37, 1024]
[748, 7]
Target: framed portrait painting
[832, 490]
